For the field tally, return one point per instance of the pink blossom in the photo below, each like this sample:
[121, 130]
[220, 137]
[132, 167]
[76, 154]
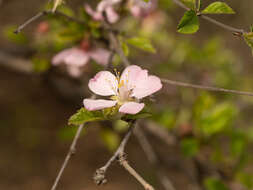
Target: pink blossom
[125, 91]
[104, 6]
[43, 27]
[140, 8]
[76, 58]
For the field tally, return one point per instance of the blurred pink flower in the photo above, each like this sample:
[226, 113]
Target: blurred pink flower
[125, 91]
[76, 58]
[104, 6]
[140, 8]
[43, 27]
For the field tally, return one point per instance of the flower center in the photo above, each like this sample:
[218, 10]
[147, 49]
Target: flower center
[124, 91]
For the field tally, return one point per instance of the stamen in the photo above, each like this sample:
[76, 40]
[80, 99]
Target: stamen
[121, 83]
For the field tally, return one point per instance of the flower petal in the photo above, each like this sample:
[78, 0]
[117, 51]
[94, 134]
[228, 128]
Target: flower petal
[131, 107]
[106, 3]
[94, 14]
[99, 104]
[147, 87]
[72, 56]
[111, 15]
[100, 55]
[74, 71]
[131, 75]
[104, 83]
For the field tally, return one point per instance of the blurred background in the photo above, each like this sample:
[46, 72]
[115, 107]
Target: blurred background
[214, 131]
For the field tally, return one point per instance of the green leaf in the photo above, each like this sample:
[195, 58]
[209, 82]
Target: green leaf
[190, 3]
[19, 38]
[216, 119]
[214, 184]
[125, 48]
[246, 179]
[66, 10]
[248, 37]
[218, 8]
[189, 24]
[83, 116]
[140, 115]
[142, 43]
[189, 147]
[238, 143]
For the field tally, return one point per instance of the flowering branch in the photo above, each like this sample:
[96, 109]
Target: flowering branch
[71, 152]
[119, 50]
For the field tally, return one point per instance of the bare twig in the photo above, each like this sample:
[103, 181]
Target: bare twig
[125, 164]
[152, 158]
[203, 87]
[99, 176]
[16, 64]
[43, 13]
[224, 26]
[160, 132]
[71, 152]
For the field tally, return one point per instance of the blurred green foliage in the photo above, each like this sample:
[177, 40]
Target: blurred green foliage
[19, 39]
[214, 184]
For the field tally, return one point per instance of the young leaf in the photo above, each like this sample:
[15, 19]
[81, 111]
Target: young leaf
[190, 3]
[248, 37]
[189, 24]
[19, 39]
[82, 116]
[125, 48]
[142, 43]
[218, 8]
